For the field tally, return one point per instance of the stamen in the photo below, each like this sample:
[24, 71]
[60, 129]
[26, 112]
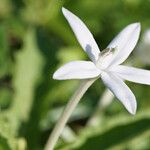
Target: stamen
[108, 52]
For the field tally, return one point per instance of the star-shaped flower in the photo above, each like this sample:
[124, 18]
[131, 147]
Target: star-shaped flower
[106, 64]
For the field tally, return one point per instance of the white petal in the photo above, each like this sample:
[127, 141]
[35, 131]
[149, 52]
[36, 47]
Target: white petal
[77, 70]
[121, 91]
[125, 42]
[132, 74]
[83, 35]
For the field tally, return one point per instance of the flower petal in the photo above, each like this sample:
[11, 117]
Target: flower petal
[132, 74]
[83, 35]
[125, 42]
[120, 90]
[77, 70]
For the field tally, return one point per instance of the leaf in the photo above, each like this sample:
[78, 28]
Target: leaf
[4, 55]
[28, 68]
[4, 144]
[7, 130]
[114, 134]
[5, 98]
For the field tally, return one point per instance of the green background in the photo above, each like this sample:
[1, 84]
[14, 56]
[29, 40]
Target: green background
[35, 40]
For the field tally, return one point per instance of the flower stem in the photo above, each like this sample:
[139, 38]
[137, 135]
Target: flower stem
[85, 84]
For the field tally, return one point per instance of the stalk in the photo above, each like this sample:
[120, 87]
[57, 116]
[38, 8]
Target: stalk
[52, 140]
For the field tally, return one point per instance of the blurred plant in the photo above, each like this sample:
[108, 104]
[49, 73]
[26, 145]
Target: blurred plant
[143, 52]
[104, 101]
[5, 8]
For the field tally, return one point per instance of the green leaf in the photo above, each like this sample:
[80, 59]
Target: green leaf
[4, 55]
[5, 98]
[4, 144]
[7, 129]
[29, 62]
[112, 133]
[116, 135]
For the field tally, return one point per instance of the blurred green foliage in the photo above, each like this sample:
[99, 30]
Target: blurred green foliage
[35, 40]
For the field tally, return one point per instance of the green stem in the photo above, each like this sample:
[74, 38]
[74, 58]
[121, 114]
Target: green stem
[85, 84]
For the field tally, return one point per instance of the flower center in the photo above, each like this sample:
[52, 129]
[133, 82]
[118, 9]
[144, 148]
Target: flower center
[105, 58]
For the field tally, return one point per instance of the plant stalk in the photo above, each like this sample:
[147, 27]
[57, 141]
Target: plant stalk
[85, 84]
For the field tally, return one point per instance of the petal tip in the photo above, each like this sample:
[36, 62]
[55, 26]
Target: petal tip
[132, 109]
[64, 11]
[137, 25]
[56, 76]
[133, 112]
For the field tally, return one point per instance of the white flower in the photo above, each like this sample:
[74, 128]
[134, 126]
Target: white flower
[106, 64]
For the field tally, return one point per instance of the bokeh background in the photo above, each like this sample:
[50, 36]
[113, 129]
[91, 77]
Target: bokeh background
[35, 40]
